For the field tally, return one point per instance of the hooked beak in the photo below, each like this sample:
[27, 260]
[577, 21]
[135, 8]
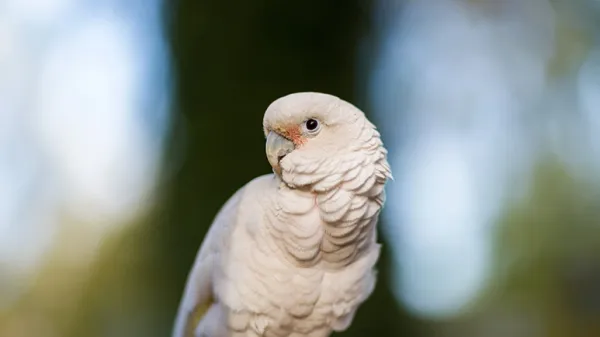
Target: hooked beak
[277, 147]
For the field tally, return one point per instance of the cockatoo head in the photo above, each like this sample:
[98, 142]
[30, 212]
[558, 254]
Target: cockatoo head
[312, 136]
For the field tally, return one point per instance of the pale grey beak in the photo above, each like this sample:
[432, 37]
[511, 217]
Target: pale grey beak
[277, 147]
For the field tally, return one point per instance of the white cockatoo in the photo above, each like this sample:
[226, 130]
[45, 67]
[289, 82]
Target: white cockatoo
[293, 253]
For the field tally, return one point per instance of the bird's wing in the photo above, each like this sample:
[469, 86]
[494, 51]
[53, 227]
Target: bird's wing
[198, 292]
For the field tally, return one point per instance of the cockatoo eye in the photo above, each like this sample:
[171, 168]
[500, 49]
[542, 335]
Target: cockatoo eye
[312, 126]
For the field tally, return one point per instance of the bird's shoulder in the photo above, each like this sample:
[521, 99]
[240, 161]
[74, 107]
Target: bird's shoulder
[246, 203]
[257, 188]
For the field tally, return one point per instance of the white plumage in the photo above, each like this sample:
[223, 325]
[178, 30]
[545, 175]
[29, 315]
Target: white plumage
[292, 254]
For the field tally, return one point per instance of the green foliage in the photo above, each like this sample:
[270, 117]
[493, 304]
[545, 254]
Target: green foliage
[547, 246]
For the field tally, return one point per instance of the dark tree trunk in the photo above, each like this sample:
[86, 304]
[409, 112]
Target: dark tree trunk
[231, 60]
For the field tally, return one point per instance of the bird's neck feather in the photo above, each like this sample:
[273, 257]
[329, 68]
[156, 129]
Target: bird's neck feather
[328, 215]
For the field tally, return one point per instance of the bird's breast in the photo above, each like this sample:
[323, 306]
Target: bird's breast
[328, 229]
[300, 267]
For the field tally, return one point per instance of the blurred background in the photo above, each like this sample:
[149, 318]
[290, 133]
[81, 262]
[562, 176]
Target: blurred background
[125, 125]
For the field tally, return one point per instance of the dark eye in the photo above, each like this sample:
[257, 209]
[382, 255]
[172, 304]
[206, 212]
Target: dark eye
[312, 124]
